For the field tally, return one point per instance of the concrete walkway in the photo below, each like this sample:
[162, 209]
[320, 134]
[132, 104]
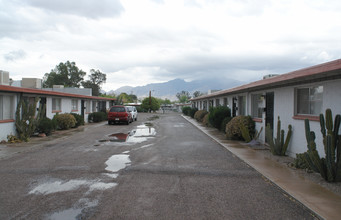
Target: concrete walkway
[320, 200]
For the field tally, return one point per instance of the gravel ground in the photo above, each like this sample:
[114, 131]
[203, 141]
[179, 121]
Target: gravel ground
[312, 176]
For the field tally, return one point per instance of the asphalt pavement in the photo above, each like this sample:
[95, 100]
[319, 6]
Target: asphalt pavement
[160, 167]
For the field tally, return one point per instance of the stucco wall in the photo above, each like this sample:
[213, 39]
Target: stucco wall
[284, 106]
[8, 128]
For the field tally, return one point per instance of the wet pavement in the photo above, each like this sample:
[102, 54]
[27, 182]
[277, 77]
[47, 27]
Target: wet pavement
[160, 167]
[322, 201]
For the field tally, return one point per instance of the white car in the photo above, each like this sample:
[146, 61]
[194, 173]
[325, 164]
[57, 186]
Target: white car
[133, 112]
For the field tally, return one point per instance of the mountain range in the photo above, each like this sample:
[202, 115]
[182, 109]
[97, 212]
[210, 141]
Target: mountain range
[171, 88]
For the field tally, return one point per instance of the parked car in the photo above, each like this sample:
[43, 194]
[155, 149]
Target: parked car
[119, 113]
[133, 111]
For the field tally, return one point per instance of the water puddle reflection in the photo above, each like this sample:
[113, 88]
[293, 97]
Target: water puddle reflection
[138, 135]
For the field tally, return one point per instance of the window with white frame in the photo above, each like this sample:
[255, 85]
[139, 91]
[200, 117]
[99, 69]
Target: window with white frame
[56, 104]
[309, 100]
[256, 105]
[217, 102]
[6, 107]
[74, 104]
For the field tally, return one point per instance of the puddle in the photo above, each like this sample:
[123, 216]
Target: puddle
[66, 214]
[111, 175]
[138, 135]
[58, 186]
[144, 130]
[117, 162]
[119, 137]
[74, 213]
[102, 186]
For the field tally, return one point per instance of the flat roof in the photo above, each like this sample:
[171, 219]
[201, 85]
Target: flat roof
[14, 89]
[326, 71]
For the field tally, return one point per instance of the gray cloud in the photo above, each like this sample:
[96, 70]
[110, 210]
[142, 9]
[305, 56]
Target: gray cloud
[85, 8]
[15, 55]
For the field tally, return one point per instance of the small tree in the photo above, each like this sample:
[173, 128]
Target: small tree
[96, 79]
[151, 104]
[183, 96]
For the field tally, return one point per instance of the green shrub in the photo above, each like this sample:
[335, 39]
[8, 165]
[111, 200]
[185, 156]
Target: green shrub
[97, 117]
[217, 115]
[224, 123]
[140, 109]
[233, 130]
[205, 120]
[79, 119]
[46, 126]
[199, 115]
[65, 121]
[192, 112]
[186, 110]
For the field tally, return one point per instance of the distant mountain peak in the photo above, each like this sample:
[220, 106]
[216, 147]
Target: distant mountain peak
[171, 88]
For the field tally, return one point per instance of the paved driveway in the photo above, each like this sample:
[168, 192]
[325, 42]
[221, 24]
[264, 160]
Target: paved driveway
[155, 168]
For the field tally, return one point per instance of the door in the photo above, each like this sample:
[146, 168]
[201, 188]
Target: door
[269, 105]
[234, 106]
[43, 105]
[82, 108]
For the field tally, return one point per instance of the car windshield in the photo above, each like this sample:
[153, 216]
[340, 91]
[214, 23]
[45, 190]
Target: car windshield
[117, 109]
[130, 108]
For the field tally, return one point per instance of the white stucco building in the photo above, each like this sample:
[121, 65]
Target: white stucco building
[293, 96]
[55, 102]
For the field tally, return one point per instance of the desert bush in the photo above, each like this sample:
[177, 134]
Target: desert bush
[233, 130]
[199, 115]
[46, 126]
[205, 120]
[97, 117]
[79, 119]
[65, 121]
[192, 112]
[186, 110]
[224, 123]
[217, 115]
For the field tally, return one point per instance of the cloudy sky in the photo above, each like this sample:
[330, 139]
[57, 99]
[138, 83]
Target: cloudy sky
[136, 42]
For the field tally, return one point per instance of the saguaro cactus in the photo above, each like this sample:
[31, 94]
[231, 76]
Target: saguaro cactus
[277, 145]
[329, 167]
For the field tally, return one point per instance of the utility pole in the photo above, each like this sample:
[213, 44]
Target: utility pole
[150, 101]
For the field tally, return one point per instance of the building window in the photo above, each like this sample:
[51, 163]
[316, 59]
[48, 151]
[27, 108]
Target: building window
[6, 107]
[256, 105]
[309, 100]
[217, 102]
[74, 105]
[56, 104]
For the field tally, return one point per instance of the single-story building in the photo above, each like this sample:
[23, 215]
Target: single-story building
[55, 102]
[293, 96]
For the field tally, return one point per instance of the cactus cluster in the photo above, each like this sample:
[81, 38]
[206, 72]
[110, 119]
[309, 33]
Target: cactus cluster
[277, 145]
[27, 118]
[330, 166]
